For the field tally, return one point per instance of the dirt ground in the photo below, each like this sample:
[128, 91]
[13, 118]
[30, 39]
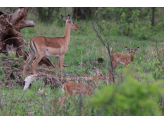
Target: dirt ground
[13, 70]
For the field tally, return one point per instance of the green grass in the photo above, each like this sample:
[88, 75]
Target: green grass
[19, 102]
[84, 48]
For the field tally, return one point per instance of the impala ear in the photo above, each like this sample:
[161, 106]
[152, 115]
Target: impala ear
[94, 70]
[69, 18]
[64, 18]
[136, 48]
[7, 47]
[127, 48]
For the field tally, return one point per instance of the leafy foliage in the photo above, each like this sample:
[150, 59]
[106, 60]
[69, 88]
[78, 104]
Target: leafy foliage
[129, 98]
[138, 93]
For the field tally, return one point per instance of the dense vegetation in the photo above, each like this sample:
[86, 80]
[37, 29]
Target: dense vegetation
[138, 90]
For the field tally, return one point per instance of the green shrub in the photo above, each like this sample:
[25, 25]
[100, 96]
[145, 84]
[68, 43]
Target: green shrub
[129, 98]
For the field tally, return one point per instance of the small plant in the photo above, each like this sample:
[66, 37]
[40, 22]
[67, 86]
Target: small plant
[53, 70]
[158, 74]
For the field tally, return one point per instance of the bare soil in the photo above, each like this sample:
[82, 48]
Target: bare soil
[13, 70]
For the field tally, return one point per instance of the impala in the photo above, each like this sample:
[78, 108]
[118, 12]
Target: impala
[41, 90]
[124, 59]
[10, 50]
[41, 46]
[72, 88]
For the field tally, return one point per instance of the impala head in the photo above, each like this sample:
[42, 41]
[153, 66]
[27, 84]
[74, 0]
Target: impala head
[70, 22]
[10, 49]
[98, 74]
[40, 90]
[132, 51]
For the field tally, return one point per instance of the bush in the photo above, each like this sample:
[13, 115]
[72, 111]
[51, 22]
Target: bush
[129, 98]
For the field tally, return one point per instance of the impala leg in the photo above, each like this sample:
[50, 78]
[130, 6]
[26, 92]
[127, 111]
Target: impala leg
[29, 59]
[56, 65]
[36, 61]
[61, 66]
[61, 100]
[114, 64]
[126, 65]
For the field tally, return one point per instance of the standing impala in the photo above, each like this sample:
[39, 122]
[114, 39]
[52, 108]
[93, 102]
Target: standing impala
[72, 88]
[124, 59]
[41, 46]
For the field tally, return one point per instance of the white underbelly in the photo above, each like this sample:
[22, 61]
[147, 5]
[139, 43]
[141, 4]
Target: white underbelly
[50, 55]
[122, 63]
[63, 90]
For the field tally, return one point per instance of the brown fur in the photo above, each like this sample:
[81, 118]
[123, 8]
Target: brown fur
[39, 45]
[41, 90]
[72, 88]
[121, 58]
[61, 100]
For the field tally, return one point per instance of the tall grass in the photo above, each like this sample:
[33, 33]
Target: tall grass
[82, 54]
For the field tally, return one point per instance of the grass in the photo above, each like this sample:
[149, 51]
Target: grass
[83, 50]
[19, 102]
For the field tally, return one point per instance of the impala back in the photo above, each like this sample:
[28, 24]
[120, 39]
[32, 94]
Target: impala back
[72, 88]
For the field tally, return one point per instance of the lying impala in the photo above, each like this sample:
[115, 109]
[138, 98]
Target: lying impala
[10, 50]
[72, 88]
[41, 46]
[41, 91]
[124, 59]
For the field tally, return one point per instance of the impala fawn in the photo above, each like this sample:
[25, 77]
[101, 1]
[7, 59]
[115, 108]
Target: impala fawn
[10, 50]
[41, 91]
[41, 46]
[72, 88]
[124, 59]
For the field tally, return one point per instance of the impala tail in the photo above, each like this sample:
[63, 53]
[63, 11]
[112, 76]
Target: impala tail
[32, 48]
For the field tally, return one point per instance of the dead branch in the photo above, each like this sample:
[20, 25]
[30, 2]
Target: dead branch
[10, 26]
[53, 80]
[106, 41]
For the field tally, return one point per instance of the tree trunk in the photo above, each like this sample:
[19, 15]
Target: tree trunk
[10, 26]
[152, 22]
[82, 12]
[50, 12]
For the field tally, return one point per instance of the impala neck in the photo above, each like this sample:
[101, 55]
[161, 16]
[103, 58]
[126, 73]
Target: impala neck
[67, 33]
[132, 57]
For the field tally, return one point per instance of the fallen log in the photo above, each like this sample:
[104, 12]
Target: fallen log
[10, 26]
[53, 81]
